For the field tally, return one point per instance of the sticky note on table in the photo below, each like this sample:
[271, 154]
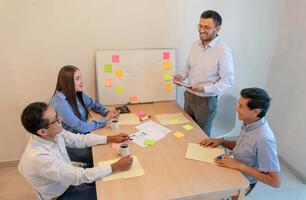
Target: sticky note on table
[174, 121]
[167, 65]
[188, 127]
[133, 99]
[167, 77]
[140, 114]
[108, 68]
[178, 134]
[115, 58]
[119, 89]
[166, 55]
[115, 145]
[149, 142]
[119, 73]
[108, 82]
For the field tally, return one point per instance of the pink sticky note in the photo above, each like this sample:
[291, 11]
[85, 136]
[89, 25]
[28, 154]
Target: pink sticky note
[115, 58]
[166, 55]
[133, 99]
[140, 114]
[115, 145]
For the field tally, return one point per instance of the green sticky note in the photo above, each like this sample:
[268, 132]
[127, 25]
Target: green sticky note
[187, 127]
[149, 142]
[108, 68]
[174, 121]
[167, 77]
[119, 89]
[178, 134]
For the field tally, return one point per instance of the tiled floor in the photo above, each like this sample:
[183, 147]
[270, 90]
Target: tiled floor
[14, 187]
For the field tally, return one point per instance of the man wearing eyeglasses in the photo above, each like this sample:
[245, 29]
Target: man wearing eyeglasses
[45, 162]
[210, 70]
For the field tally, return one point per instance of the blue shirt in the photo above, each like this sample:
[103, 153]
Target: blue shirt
[211, 67]
[257, 148]
[70, 121]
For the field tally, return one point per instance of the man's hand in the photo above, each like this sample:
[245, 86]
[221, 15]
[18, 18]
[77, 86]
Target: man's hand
[123, 164]
[229, 162]
[198, 89]
[178, 78]
[117, 138]
[211, 142]
[112, 114]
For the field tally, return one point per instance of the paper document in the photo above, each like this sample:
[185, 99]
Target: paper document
[151, 127]
[134, 171]
[172, 119]
[140, 137]
[206, 154]
[182, 84]
[128, 119]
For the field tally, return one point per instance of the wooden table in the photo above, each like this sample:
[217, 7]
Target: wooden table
[169, 175]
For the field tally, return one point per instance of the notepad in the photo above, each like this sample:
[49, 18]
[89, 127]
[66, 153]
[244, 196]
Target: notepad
[128, 119]
[205, 154]
[172, 119]
[182, 84]
[135, 170]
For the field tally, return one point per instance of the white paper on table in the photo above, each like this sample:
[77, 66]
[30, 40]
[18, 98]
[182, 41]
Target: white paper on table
[140, 136]
[128, 119]
[135, 170]
[206, 154]
[151, 127]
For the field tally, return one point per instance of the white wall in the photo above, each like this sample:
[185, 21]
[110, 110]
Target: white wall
[286, 84]
[37, 37]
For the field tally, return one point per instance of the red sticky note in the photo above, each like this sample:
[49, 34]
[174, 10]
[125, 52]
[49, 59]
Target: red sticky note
[166, 55]
[115, 58]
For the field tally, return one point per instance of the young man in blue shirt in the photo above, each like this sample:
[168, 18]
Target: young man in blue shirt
[255, 152]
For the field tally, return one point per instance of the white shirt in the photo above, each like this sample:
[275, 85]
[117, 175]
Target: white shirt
[48, 169]
[211, 67]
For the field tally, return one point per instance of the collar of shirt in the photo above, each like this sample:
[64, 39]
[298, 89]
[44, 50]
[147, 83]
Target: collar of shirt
[60, 95]
[42, 141]
[255, 125]
[211, 44]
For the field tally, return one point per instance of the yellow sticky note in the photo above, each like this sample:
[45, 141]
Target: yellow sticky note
[174, 121]
[133, 99]
[167, 65]
[119, 89]
[119, 73]
[108, 82]
[178, 134]
[188, 127]
[108, 68]
[168, 87]
[167, 77]
[149, 142]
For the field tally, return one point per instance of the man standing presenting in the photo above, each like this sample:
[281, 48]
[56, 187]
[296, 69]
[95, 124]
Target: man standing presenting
[210, 70]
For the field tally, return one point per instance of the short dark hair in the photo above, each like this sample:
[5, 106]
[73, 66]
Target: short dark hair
[214, 15]
[32, 117]
[258, 98]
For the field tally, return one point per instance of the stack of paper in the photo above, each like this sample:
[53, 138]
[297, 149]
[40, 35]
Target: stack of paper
[171, 119]
[149, 130]
[128, 119]
[206, 154]
[134, 171]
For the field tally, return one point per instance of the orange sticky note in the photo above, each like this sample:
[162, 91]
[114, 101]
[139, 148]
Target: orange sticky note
[118, 73]
[108, 82]
[115, 58]
[178, 134]
[168, 87]
[167, 65]
[133, 99]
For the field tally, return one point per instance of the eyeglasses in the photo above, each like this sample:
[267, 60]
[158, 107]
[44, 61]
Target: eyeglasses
[56, 119]
[206, 28]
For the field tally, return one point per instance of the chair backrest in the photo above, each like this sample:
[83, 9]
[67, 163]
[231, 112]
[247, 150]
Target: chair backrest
[226, 119]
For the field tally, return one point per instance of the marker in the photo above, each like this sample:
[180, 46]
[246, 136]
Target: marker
[219, 157]
[145, 117]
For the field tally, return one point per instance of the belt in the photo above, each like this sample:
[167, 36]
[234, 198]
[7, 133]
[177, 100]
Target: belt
[204, 97]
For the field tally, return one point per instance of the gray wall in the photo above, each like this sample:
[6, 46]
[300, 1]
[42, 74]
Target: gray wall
[286, 84]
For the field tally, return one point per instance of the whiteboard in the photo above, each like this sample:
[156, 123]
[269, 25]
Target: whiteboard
[135, 75]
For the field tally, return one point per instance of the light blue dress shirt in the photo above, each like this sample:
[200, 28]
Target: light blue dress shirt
[48, 169]
[257, 148]
[211, 67]
[70, 121]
